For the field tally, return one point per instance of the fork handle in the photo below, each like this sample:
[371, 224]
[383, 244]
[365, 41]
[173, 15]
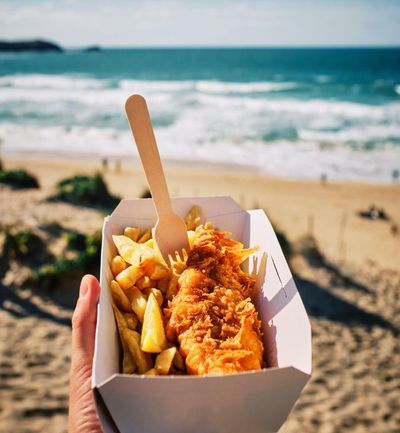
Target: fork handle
[142, 130]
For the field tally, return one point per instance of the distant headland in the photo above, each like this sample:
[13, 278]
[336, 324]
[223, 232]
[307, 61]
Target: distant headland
[92, 49]
[29, 45]
[39, 45]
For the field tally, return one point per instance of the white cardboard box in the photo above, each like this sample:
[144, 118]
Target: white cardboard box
[251, 402]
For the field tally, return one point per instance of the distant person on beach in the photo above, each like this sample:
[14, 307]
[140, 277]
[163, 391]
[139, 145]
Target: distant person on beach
[82, 410]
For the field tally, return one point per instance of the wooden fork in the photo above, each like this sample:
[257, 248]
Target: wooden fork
[170, 232]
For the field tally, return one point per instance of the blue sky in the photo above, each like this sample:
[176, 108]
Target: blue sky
[204, 22]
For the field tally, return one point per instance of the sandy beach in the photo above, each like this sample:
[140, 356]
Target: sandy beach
[346, 268]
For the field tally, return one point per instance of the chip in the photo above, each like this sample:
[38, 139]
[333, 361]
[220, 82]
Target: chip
[193, 218]
[145, 237]
[143, 360]
[157, 293]
[119, 297]
[153, 338]
[138, 303]
[144, 283]
[132, 233]
[131, 320]
[164, 360]
[128, 277]
[118, 264]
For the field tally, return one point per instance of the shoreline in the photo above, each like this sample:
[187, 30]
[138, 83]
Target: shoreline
[87, 159]
[86, 162]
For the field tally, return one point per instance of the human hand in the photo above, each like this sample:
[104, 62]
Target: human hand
[82, 410]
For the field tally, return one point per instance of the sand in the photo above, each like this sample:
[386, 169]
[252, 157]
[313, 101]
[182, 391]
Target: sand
[296, 207]
[351, 294]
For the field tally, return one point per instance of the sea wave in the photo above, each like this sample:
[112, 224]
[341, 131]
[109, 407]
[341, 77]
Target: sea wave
[78, 82]
[308, 107]
[84, 82]
[366, 135]
[322, 79]
[300, 159]
[256, 87]
[213, 87]
[210, 117]
[248, 124]
[161, 94]
[42, 81]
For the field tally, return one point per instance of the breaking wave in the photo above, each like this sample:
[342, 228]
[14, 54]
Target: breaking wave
[246, 124]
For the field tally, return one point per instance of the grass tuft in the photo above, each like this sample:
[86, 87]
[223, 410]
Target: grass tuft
[86, 191]
[74, 240]
[21, 245]
[64, 268]
[18, 179]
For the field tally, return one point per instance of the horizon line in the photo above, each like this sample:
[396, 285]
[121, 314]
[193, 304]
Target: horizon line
[199, 46]
[159, 47]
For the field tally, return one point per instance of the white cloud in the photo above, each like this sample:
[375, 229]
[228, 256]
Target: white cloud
[223, 22]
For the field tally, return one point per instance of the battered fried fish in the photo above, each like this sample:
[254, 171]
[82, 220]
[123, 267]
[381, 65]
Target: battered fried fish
[212, 316]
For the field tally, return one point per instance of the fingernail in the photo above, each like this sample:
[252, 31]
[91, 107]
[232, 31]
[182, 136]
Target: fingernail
[84, 287]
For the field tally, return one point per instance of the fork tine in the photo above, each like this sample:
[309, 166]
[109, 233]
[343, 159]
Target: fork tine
[176, 258]
[170, 259]
[181, 257]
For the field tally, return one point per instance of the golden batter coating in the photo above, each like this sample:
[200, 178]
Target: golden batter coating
[212, 316]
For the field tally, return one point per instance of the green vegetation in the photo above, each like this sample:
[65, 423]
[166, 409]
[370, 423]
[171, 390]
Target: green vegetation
[53, 229]
[86, 190]
[65, 268]
[20, 245]
[74, 240]
[18, 179]
[80, 255]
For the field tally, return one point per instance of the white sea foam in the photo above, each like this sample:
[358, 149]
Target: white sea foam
[157, 86]
[74, 141]
[68, 82]
[318, 107]
[41, 81]
[90, 97]
[224, 87]
[374, 133]
[240, 123]
[94, 92]
[322, 79]
[113, 99]
[281, 158]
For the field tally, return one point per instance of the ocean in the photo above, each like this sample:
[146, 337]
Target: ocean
[299, 113]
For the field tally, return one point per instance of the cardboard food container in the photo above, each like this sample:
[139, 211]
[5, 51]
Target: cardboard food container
[255, 402]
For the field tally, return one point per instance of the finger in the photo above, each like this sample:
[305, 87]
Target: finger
[82, 410]
[84, 318]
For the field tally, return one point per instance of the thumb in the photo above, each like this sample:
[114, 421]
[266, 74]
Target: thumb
[84, 319]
